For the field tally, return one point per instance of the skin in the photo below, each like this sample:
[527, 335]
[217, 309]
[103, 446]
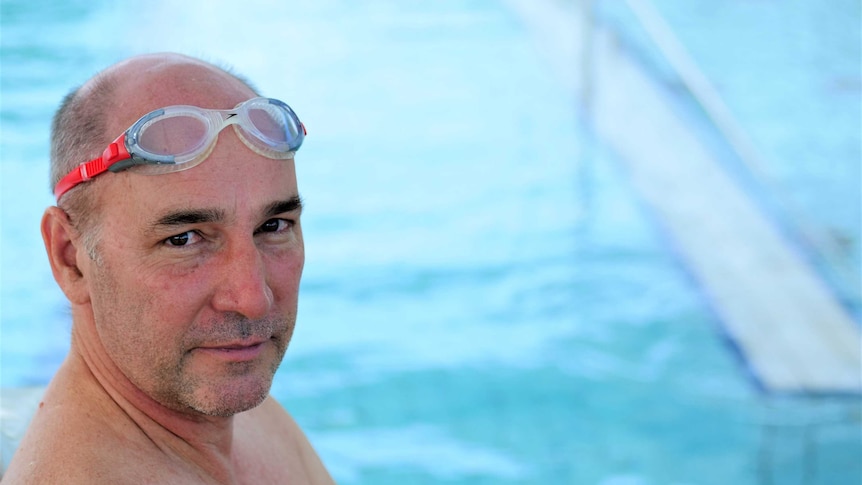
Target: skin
[181, 321]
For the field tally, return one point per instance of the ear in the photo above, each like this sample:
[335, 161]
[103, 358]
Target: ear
[62, 243]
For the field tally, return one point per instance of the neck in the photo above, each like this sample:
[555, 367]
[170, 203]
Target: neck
[204, 441]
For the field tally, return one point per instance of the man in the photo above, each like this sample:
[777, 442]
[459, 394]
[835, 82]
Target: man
[182, 267]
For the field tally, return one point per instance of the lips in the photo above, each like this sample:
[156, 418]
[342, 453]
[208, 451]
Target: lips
[239, 351]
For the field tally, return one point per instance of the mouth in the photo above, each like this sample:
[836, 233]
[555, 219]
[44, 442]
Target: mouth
[234, 351]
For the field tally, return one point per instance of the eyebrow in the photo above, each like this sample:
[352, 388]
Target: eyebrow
[203, 216]
[280, 207]
[186, 217]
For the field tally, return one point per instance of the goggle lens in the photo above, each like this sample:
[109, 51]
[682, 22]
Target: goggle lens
[173, 136]
[272, 124]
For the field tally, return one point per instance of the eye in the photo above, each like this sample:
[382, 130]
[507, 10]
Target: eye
[183, 239]
[275, 225]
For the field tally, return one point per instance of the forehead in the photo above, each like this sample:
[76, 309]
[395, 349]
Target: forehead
[144, 86]
[232, 181]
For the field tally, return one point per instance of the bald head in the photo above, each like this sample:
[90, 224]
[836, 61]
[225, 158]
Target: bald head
[93, 115]
[153, 81]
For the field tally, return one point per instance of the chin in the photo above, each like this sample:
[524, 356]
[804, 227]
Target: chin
[232, 398]
[227, 388]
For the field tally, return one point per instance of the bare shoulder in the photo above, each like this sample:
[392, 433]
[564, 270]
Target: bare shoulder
[270, 429]
[58, 448]
[72, 440]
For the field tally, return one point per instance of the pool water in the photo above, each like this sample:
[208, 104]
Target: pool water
[485, 300]
[791, 76]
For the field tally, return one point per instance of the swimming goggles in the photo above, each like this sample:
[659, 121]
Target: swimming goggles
[179, 137]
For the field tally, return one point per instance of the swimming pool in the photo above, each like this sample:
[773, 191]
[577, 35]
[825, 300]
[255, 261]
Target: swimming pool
[485, 298]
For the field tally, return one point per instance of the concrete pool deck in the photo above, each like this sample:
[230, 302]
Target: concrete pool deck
[794, 333]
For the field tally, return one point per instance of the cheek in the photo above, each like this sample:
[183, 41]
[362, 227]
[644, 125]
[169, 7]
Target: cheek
[178, 283]
[142, 318]
[285, 272]
[121, 317]
[145, 304]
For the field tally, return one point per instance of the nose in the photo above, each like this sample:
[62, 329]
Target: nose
[242, 282]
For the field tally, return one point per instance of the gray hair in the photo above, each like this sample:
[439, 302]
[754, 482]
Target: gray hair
[78, 134]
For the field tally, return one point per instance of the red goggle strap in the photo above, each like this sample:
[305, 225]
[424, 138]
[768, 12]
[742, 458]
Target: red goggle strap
[115, 152]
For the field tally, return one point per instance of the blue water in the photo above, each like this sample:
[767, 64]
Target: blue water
[485, 299]
[790, 74]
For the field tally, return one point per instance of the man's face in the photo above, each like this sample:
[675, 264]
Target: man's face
[194, 294]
